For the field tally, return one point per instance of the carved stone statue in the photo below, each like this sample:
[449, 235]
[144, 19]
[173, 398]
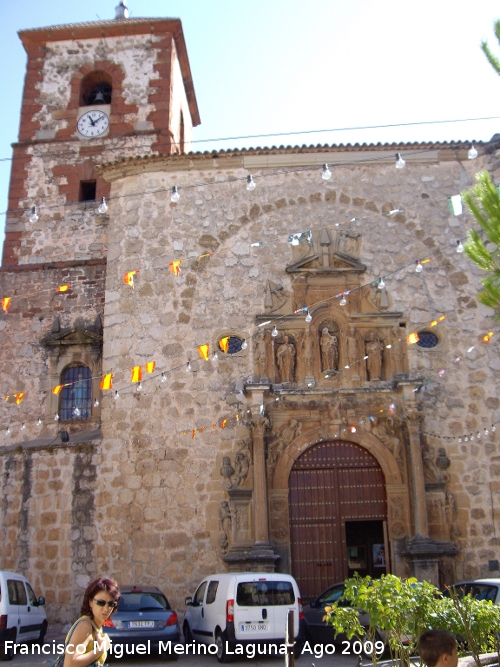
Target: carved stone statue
[431, 471]
[306, 343]
[241, 466]
[352, 346]
[442, 461]
[286, 435]
[227, 471]
[260, 355]
[374, 347]
[450, 510]
[225, 523]
[285, 356]
[386, 436]
[329, 351]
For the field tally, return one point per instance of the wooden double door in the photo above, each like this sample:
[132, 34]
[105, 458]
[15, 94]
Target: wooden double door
[338, 510]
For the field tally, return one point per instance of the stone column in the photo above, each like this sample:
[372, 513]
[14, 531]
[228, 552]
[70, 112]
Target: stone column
[262, 555]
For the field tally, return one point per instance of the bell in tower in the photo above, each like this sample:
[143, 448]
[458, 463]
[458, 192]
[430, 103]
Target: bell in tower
[121, 10]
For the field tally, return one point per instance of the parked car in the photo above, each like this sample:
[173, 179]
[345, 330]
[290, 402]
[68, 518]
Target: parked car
[320, 632]
[236, 611]
[22, 616]
[144, 614]
[480, 589]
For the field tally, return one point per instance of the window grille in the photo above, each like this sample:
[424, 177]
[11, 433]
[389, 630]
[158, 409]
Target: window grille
[76, 398]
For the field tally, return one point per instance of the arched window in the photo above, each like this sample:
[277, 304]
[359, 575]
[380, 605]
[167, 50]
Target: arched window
[75, 399]
[95, 88]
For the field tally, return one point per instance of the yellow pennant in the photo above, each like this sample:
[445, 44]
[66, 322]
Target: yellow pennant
[175, 267]
[62, 288]
[413, 338]
[150, 367]
[136, 374]
[224, 344]
[439, 319]
[204, 351]
[128, 278]
[57, 390]
[488, 336]
[223, 423]
[193, 434]
[107, 381]
[6, 303]
[19, 397]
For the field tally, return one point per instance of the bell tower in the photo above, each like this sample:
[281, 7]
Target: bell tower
[94, 92]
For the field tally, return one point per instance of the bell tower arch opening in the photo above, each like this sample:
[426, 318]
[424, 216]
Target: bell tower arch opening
[337, 514]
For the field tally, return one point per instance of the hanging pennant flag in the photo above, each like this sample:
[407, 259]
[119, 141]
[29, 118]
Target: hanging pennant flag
[413, 338]
[202, 429]
[206, 254]
[175, 267]
[296, 239]
[224, 344]
[6, 398]
[57, 390]
[223, 423]
[487, 337]
[214, 426]
[455, 205]
[62, 288]
[6, 303]
[150, 366]
[193, 434]
[204, 350]
[439, 319]
[136, 374]
[184, 432]
[19, 397]
[128, 278]
[107, 381]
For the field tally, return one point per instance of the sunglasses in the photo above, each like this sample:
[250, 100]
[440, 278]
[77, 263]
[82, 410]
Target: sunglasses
[103, 603]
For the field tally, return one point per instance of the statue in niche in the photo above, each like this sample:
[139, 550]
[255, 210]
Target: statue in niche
[352, 347]
[285, 356]
[373, 348]
[241, 466]
[329, 351]
[431, 471]
[260, 355]
[398, 354]
[388, 438]
[286, 435]
[350, 242]
[442, 461]
[225, 524]
[451, 512]
[227, 471]
[306, 343]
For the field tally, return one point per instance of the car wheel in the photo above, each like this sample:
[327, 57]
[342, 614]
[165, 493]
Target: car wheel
[8, 654]
[297, 649]
[188, 635]
[220, 642]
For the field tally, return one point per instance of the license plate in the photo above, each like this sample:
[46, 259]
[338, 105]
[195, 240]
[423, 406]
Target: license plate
[253, 627]
[141, 624]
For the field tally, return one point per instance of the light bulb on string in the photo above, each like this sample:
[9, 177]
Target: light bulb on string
[175, 196]
[39, 422]
[381, 283]
[460, 247]
[326, 174]
[103, 207]
[389, 346]
[486, 432]
[76, 411]
[188, 367]
[400, 163]
[117, 395]
[493, 428]
[295, 239]
[96, 403]
[274, 332]
[163, 378]
[343, 301]
[34, 217]
[347, 367]
[472, 153]
[56, 417]
[23, 426]
[308, 316]
[215, 357]
[7, 432]
[251, 184]
[139, 387]
[419, 267]
[244, 345]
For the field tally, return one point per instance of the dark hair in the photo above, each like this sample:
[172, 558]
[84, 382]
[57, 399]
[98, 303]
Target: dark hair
[435, 643]
[101, 584]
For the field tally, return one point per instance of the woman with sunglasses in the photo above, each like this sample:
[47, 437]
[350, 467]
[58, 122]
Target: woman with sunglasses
[86, 643]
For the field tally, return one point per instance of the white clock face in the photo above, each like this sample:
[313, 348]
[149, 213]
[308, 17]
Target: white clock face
[93, 123]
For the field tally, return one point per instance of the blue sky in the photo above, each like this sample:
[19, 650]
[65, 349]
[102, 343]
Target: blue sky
[282, 66]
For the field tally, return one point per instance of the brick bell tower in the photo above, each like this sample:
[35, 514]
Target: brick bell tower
[94, 92]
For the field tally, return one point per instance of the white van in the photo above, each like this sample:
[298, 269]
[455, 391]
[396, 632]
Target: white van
[22, 616]
[240, 611]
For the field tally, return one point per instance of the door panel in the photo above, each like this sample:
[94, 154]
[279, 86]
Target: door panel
[331, 483]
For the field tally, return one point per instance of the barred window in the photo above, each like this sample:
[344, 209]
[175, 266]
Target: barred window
[76, 398]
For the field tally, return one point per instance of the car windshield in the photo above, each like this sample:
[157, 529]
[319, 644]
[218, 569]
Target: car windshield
[137, 601]
[259, 593]
[477, 591]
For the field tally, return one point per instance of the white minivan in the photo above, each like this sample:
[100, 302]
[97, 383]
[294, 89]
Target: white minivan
[22, 616]
[239, 612]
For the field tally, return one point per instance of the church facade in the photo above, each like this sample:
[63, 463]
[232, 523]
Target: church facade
[347, 421]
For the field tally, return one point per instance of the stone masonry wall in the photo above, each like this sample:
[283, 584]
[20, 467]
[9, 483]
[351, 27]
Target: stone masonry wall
[161, 490]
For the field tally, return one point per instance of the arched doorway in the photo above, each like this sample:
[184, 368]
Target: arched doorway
[337, 510]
